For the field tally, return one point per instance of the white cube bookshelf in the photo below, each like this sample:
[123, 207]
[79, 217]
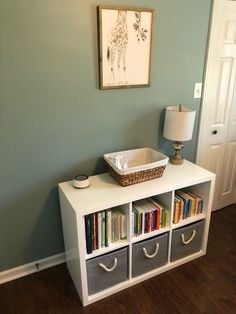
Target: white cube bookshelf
[104, 193]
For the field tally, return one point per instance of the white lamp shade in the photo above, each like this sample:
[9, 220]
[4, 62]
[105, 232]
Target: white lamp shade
[179, 124]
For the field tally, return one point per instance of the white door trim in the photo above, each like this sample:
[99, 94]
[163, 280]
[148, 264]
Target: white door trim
[214, 31]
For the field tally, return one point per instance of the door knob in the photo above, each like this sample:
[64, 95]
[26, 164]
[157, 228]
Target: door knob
[214, 132]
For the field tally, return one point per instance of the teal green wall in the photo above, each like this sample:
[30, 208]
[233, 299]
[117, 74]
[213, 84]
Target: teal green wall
[55, 122]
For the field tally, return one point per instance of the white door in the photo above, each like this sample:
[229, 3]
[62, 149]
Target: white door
[217, 133]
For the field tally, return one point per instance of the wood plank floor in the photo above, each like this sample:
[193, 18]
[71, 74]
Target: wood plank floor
[206, 285]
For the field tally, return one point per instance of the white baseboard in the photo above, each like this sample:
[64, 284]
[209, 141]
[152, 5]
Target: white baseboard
[32, 267]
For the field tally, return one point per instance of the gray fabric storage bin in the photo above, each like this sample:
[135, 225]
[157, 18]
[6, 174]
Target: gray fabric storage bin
[178, 248]
[142, 264]
[100, 279]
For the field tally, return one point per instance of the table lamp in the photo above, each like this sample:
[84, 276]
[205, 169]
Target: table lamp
[178, 127]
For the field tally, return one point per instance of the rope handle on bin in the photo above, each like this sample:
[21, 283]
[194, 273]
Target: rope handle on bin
[190, 239]
[151, 255]
[109, 269]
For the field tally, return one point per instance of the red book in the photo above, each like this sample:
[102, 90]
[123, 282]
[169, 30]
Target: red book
[158, 219]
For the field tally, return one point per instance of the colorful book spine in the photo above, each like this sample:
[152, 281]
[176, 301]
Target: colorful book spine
[158, 219]
[92, 230]
[191, 203]
[148, 216]
[88, 234]
[106, 229]
[99, 229]
[95, 231]
[103, 228]
[132, 219]
[139, 231]
[109, 226]
[123, 227]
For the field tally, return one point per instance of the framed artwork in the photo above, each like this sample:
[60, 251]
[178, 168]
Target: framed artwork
[125, 40]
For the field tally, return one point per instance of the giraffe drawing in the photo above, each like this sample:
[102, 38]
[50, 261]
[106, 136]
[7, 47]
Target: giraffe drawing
[117, 45]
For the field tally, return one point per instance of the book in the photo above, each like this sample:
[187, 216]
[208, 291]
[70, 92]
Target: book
[100, 229]
[192, 203]
[139, 229]
[109, 226]
[178, 209]
[151, 221]
[158, 214]
[167, 213]
[187, 203]
[199, 203]
[123, 227]
[103, 228]
[146, 210]
[135, 221]
[162, 214]
[92, 230]
[115, 226]
[146, 219]
[163, 219]
[88, 234]
[132, 219]
[95, 231]
[106, 229]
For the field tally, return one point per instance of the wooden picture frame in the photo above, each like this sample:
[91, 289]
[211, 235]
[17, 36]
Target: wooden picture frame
[125, 44]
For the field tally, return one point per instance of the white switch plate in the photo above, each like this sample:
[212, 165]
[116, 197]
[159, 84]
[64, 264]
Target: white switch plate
[197, 90]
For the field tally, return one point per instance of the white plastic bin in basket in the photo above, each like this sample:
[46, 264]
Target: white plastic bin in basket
[136, 165]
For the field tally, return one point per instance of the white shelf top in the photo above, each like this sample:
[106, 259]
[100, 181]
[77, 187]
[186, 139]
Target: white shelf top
[151, 234]
[112, 246]
[188, 220]
[104, 192]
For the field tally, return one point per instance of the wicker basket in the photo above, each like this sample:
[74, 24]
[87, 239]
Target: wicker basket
[136, 165]
[136, 177]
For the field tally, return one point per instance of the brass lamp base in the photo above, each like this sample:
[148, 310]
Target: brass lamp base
[177, 159]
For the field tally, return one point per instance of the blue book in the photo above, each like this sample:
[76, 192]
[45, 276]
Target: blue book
[186, 200]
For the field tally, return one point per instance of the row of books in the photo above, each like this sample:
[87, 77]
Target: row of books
[103, 228]
[186, 204]
[108, 226]
[148, 215]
